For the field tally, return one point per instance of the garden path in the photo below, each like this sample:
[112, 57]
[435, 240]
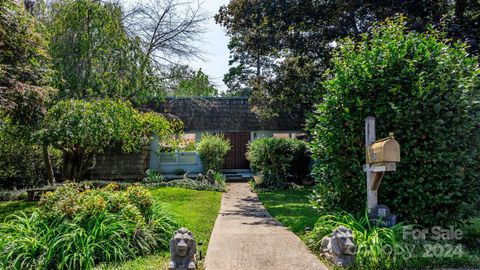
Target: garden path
[247, 237]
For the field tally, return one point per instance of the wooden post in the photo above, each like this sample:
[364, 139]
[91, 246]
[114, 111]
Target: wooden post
[372, 199]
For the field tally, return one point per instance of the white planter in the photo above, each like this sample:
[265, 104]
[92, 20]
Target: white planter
[258, 179]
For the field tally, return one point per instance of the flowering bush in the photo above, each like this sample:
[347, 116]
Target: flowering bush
[77, 228]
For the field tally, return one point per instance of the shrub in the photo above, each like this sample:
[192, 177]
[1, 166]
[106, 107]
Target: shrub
[423, 90]
[76, 229]
[194, 184]
[212, 150]
[277, 158]
[153, 176]
[21, 163]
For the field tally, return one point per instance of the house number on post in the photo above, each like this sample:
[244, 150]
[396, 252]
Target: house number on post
[381, 156]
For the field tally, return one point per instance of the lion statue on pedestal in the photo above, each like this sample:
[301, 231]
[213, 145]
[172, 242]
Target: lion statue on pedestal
[183, 249]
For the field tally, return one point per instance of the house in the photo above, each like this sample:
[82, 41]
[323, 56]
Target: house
[232, 116]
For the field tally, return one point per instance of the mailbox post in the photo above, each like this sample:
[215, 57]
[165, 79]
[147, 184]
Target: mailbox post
[372, 196]
[381, 156]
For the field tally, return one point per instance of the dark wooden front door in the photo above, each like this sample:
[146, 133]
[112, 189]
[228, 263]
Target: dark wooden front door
[235, 158]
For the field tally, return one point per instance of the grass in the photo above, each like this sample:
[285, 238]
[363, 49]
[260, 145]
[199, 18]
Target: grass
[195, 210]
[8, 208]
[291, 207]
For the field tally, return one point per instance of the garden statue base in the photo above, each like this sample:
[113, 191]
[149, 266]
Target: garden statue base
[182, 250]
[339, 248]
[380, 216]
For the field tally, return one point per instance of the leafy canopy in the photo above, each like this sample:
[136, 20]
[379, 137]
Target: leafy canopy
[24, 66]
[94, 56]
[81, 129]
[427, 93]
[93, 125]
[280, 49]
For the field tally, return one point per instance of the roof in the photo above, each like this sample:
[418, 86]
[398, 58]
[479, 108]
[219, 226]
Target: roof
[225, 114]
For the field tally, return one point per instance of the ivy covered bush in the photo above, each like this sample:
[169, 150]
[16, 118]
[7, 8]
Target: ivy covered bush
[424, 90]
[77, 228]
[278, 158]
[212, 150]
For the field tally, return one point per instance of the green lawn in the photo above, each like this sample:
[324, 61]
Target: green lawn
[195, 210]
[13, 207]
[291, 207]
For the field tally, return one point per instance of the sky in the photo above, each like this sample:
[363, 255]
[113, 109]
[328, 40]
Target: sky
[214, 44]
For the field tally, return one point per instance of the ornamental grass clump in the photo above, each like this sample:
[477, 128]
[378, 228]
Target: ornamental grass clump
[378, 248]
[77, 229]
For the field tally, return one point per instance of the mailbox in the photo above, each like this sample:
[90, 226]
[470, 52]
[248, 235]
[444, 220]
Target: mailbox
[384, 151]
[382, 156]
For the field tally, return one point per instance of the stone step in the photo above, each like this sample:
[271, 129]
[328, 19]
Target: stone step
[235, 178]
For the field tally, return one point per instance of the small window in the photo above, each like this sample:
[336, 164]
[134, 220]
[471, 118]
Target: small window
[281, 135]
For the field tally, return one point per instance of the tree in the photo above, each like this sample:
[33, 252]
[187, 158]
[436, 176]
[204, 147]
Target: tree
[24, 74]
[303, 32]
[167, 29]
[94, 56]
[426, 92]
[196, 85]
[81, 129]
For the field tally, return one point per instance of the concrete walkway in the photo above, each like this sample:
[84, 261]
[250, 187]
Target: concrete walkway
[246, 237]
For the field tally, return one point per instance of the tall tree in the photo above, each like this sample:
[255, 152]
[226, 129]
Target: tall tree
[298, 36]
[24, 74]
[168, 30]
[93, 54]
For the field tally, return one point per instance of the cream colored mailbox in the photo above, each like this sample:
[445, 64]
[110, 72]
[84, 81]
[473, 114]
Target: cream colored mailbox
[383, 155]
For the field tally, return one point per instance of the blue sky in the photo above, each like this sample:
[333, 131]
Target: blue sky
[214, 44]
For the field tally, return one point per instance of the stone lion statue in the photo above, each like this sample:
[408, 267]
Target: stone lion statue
[340, 247]
[182, 250]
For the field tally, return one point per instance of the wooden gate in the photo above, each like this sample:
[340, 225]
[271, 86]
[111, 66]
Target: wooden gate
[235, 158]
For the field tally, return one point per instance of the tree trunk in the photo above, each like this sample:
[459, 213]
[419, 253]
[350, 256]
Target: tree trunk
[460, 7]
[48, 165]
[258, 65]
[68, 166]
[76, 164]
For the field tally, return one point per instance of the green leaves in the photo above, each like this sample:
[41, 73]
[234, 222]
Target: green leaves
[212, 150]
[424, 91]
[277, 158]
[83, 128]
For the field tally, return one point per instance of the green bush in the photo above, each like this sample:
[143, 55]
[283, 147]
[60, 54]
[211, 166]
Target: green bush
[77, 229]
[212, 150]
[426, 92]
[21, 162]
[277, 158]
